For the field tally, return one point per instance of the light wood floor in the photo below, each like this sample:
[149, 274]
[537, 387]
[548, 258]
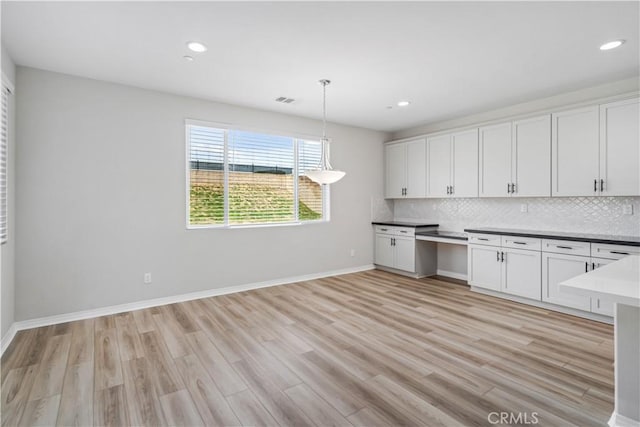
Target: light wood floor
[367, 349]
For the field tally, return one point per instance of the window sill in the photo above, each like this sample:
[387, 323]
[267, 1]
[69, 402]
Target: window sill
[241, 226]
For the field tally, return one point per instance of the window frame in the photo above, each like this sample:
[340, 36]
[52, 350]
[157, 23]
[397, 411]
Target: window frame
[326, 217]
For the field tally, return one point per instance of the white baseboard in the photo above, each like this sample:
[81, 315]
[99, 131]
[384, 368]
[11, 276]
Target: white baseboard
[7, 338]
[138, 305]
[546, 305]
[452, 274]
[618, 420]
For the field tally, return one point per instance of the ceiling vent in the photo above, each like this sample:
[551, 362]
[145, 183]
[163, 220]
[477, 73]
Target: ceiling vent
[285, 100]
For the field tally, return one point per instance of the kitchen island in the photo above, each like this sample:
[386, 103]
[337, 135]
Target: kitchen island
[619, 282]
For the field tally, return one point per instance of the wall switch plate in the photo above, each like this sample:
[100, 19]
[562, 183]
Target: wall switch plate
[627, 210]
[147, 278]
[524, 207]
[352, 252]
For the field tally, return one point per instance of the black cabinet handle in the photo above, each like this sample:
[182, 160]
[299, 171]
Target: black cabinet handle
[452, 189]
[403, 231]
[508, 188]
[586, 267]
[595, 185]
[384, 229]
[601, 185]
[564, 247]
[483, 239]
[513, 188]
[520, 243]
[593, 265]
[619, 253]
[501, 256]
[498, 256]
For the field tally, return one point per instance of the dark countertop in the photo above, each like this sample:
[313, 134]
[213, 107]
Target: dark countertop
[403, 224]
[558, 235]
[444, 234]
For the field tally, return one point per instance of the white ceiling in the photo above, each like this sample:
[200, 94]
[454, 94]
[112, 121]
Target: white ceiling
[448, 59]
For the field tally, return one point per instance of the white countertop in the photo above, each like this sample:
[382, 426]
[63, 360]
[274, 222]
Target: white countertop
[618, 282]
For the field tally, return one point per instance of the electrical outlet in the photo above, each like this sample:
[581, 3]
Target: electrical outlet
[627, 210]
[353, 252]
[524, 208]
[147, 278]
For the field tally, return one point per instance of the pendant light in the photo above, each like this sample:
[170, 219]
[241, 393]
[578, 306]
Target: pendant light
[325, 174]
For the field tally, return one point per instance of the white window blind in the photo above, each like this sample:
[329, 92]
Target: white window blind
[4, 141]
[206, 148]
[239, 177]
[261, 169]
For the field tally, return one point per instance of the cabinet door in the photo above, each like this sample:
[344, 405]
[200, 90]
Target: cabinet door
[405, 254]
[439, 166]
[464, 152]
[620, 148]
[602, 305]
[416, 168]
[557, 268]
[574, 152]
[531, 152]
[495, 160]
[384, 250]
[522, 274]
[395, 158]
[484, 267]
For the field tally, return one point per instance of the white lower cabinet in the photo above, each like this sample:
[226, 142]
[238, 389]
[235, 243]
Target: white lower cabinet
[384, 250]
[512, 271]
[521, 273]
[484, 267]
[533, 268]
[405, 253]
[556, 268]
[396, 248]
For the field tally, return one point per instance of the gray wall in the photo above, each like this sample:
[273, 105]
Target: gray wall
[101, 185]
[7, 251]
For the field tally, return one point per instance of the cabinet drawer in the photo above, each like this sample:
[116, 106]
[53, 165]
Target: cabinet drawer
[384, 229]
[396, 231]
[485, 239]
[405, 231]
[529, 243]
[566, 247]
[602, 250]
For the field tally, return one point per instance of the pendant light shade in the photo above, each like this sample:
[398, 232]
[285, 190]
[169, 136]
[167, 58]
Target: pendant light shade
[325, 174]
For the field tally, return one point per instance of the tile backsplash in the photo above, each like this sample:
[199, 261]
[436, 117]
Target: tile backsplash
[602, 215]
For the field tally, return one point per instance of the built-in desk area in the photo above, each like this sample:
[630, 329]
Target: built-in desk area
[441, 236]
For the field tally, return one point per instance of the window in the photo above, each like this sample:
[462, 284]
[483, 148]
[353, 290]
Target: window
[239, 177]
[4, 141]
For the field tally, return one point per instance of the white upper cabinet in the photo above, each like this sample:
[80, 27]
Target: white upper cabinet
[452, 169]
[515, 158]
[587, 151]
[439, 166]
[395, 158]
[405, 169]
[495, 160]
[620, 148]
[531, 153]
[464, 170]
[575, 152]
[416, 168]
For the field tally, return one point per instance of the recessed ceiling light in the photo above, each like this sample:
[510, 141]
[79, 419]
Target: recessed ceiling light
[197, 47]
[403, 103]
[612, 45]
[188, 58]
